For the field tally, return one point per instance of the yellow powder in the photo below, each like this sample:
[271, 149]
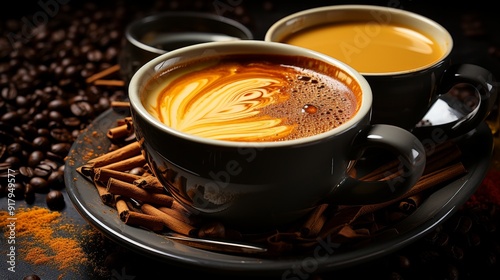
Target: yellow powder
[44, 238]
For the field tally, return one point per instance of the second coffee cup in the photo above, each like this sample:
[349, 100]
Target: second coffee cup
[405, 58]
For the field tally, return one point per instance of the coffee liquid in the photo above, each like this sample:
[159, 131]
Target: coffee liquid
[253, 97]
[371, 47]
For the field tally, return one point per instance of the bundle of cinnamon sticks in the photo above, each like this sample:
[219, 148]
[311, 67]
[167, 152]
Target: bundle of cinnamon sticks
[123, 181]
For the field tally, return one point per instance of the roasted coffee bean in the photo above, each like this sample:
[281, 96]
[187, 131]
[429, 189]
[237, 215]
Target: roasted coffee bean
[61, 149]
[55, 200]
[58, 105]
[53, 124]
[43, 132]
[52, 156]
[42, 170]
[26, 171]
[22, 101]
[82, 109]
[55, 116]
[403, 262]
[56, 180]
[9, 93]
[102, 104]
[4, 167]
[14, 162]
[54, 165]
[29, 130]
[10, 117]
[32, 277]
[3, 149]
[95, 56]
[473, 239]
[40, 119]
[24, 115]
[4, 68]
[71, 121]
[39, 184]
[18, 131]
[137, 171]
[14, 149]
[79, 98]
[29, 194]
[61, 135]
[75, 133]
[35, 158]
[41, 143]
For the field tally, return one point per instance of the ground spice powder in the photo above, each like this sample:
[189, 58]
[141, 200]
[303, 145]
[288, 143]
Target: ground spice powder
[488, 191]
[44, 238]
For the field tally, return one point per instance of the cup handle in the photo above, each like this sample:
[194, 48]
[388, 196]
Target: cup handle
[485, 86]
[408, 149]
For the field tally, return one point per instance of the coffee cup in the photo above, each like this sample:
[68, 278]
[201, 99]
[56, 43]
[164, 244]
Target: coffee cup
[256, 134]
[156, 34]
[404, 56]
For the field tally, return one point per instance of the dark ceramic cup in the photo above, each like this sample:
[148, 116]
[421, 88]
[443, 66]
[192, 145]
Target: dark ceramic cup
[402, 95]
[261, 184]
[156, 34]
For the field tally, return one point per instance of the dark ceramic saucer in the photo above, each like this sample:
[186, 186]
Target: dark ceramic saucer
[477, 149]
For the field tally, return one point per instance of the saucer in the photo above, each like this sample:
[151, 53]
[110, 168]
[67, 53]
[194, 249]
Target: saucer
[477, 149]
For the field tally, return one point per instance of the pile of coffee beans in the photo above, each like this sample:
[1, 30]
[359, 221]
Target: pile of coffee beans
[466, 246]
[44, 99]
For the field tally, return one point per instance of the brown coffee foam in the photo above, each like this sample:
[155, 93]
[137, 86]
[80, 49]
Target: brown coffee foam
[254, 98]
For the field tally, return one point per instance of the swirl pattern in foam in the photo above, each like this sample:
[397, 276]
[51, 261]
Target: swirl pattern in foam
[249, 99]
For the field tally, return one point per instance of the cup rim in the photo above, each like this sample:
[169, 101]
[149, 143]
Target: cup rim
[270, 33]
[153, 66]
[132, 38]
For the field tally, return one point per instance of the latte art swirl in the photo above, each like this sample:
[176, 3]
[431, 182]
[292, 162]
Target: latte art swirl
[255, 101]
[223, 105]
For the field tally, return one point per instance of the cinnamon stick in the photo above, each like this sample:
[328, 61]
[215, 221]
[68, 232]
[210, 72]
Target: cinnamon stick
[179, 215]
[315, 221]
[103, 73]
[123, 121]
[122, 153]
[119, 132]
[150, 183]
[119, 187]
[106, 197]
[426, 181]
[113, 83]
[103, 175]
[127, 164]
[440, 155]
[121, 207]
[120, 104]
[169, 221]
[410, 203]
[146, 221]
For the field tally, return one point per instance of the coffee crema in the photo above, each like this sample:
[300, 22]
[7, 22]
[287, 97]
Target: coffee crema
[369, 46]
[254, 98]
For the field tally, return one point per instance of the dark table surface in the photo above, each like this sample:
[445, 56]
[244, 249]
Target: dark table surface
[474, 26]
